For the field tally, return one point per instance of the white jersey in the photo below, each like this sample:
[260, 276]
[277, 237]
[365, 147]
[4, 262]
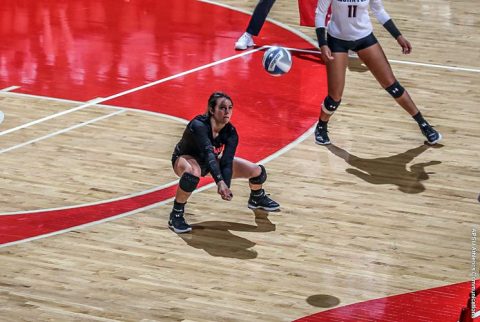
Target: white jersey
[350, 19]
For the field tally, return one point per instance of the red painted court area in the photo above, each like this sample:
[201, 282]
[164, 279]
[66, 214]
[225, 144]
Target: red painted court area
[432, 305]
[90, 49]
[82, 50]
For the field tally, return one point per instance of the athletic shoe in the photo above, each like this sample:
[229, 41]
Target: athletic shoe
[262, 201]
[321, 135]
[178, 224]
[429, 132]
[244, 42]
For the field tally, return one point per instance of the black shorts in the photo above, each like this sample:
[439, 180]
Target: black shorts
[203, 167]
[343, 46]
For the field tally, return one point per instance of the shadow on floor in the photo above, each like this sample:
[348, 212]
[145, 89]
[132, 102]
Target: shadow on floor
[217, 239]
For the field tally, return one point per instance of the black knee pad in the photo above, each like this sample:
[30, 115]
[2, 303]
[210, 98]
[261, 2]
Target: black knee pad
[329, 105]
[188, 182]
[261, 178]
[396, 90]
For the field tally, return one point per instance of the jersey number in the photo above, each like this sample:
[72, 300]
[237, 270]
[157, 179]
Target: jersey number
[352, 11]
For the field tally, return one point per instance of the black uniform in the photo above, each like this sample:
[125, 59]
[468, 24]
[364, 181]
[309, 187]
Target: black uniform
[198, 141]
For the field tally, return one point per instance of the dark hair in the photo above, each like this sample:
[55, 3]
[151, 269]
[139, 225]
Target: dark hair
[212, 101]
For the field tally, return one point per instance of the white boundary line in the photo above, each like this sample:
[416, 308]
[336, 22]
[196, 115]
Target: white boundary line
[463, 69]
[313, 42]
[266, 160]
[96, 101]
[86, 225]
[132, 109]
[167, 185]
[60, 131]
[8, 89]
[287, 148]
[155, 205]
[133, 195]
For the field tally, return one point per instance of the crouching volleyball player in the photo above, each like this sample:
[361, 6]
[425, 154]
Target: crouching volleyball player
[207, 146]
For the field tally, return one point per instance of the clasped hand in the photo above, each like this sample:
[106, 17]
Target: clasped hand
[224, 191]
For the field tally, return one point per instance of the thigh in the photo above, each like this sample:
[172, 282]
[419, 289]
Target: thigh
[245, 169]
[376, 61]
[186, 163]
[336, 70]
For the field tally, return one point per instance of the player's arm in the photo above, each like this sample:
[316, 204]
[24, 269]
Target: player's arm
[226, 162]
[384, 18]
[200, 134]
[320, 28]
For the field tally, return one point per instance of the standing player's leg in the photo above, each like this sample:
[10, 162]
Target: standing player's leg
[377, 62]
[336, 70]
[255, 24]
[256, 175]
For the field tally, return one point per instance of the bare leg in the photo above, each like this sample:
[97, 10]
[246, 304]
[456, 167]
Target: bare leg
[185, 163]
[246, 169]
[336, 70]
[377, 62]
[258, 199]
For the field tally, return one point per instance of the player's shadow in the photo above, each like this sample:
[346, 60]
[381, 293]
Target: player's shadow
[217, 239]
[389, 170]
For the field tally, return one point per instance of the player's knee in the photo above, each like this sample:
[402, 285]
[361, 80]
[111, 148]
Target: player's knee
[329, 105]
[261, 178]
[188, 182]
[194, 170]
[396, 90]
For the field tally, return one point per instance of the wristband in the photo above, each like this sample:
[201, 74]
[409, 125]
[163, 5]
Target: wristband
[392, 29]
[321, 36]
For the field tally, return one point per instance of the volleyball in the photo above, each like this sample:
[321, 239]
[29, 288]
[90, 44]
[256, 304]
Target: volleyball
[2, 116]
[277, 61]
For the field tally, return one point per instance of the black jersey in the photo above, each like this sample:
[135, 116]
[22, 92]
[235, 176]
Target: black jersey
[198, 141]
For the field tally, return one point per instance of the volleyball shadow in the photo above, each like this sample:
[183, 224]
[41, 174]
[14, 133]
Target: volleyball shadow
[389, 170]
[217, 239]
[323, 300]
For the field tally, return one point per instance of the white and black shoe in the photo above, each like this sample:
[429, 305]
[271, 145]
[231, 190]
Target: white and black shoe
[244, 42]
[321, 134]
[178, 224]
[430, 133]
[260, 200]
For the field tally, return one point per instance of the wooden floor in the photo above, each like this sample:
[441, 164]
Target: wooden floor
[375, 214]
